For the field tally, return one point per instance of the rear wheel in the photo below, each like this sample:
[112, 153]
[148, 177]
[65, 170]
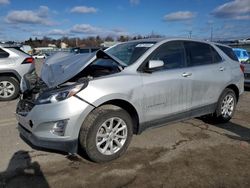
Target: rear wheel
[106, 133]
[9, 88]
[226, 106]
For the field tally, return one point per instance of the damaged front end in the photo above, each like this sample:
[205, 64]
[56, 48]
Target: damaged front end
[62, 76]
[50, 112]
[36, 92]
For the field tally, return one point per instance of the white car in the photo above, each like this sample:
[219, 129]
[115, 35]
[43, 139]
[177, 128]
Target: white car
[14, 64]
[40, 56]
[245, 41]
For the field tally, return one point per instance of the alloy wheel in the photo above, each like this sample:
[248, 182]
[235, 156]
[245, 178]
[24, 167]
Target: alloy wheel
[7, 89]
[227, 106]
[111, 136]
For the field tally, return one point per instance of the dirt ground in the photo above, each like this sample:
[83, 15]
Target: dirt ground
[220, 166]
[193, 153]
[205, 155]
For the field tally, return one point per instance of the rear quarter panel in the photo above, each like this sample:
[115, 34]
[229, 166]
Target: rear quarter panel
[237, 76]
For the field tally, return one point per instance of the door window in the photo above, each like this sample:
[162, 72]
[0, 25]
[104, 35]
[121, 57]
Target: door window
[216, 57]
[172, 54]
[198, 53]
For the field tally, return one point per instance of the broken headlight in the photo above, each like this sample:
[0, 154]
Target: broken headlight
[61, 94]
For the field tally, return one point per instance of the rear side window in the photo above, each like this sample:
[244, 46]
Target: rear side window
[3, 54]
[172, 54]
[198, 53]
[229, 52]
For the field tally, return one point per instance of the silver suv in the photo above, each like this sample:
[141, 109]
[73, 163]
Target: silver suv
[14, 63]
[95, 103]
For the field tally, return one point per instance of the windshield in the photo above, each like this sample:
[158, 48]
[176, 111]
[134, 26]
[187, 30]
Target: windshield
[129, 52]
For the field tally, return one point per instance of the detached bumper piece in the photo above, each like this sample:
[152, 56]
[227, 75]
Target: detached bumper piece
[65, 146]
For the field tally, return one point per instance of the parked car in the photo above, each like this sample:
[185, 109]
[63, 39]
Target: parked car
[40, 56]
[245, 41]
[96, 102]
[14, 63]
[242, 54]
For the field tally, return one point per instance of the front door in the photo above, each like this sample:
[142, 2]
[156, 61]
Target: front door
[167, 91]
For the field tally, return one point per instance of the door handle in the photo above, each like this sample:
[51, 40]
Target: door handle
[222, 68]
[186, 74]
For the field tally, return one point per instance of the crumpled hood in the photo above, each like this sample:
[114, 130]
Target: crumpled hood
[63, 66]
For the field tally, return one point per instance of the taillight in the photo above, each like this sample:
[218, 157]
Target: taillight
[242, 67]
[28, 60]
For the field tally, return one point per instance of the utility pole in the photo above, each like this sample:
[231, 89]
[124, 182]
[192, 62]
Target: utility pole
[211, 36]
[76, 42]
[190, 34]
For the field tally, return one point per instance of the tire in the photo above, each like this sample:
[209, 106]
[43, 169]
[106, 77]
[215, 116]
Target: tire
[223, 116]
[98, 121]
[9, 88]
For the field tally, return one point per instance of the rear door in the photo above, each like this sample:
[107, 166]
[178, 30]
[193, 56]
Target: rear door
[210, 74]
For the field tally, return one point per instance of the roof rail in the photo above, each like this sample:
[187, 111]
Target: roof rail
[6, 45]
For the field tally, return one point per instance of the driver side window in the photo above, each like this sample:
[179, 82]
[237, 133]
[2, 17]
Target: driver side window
[172, 54]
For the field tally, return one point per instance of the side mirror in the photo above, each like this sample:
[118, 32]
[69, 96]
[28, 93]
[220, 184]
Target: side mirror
[154, 65]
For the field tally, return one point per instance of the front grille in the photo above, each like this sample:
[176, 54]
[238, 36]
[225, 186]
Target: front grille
[23, 107]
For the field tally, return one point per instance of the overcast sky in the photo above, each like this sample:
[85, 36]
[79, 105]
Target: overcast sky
[21, 19]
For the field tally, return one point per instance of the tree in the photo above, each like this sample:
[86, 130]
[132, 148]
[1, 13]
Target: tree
[123, 38]
[109, 39]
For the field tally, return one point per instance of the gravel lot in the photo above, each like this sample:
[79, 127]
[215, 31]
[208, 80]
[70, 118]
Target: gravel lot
[191, 153]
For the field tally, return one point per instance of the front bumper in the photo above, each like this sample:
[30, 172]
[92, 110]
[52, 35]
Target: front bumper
[36, 123]
[66, 146]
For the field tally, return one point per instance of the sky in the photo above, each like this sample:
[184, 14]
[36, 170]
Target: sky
[20, 20]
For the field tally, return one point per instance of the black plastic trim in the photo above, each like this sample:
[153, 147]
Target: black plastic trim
[200, 111]
[70, 146]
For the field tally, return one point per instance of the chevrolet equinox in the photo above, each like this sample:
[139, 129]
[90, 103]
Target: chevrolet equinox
[96, 102]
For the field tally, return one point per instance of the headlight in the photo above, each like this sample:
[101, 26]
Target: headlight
[59, 94]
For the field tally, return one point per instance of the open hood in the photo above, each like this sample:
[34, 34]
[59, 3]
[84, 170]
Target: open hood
[62, 66]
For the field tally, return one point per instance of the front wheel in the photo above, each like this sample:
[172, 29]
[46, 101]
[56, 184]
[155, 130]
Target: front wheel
[106, 133]
[226, 106]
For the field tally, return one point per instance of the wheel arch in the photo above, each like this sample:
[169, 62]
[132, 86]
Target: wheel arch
[10, 73]
[235, 89]
[127, 106]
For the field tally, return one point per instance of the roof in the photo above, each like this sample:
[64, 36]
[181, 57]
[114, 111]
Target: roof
[174, 38]
[3, 45]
